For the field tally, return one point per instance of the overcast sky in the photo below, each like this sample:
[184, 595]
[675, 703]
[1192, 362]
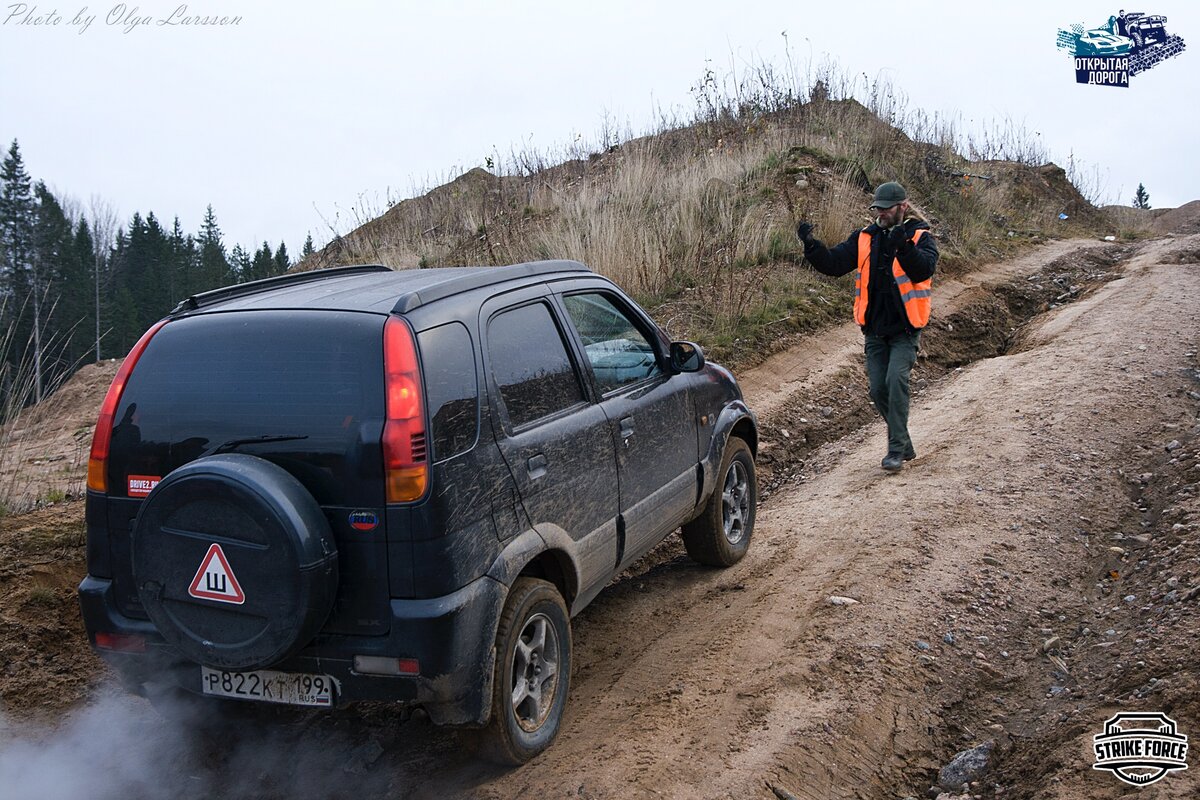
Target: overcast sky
[288, 120]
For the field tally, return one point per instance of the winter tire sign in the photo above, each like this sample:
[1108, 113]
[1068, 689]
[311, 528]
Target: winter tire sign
[1140, 748]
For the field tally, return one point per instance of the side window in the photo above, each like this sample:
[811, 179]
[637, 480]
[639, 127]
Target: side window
[448, 362]
[617, 350]
[530, 364]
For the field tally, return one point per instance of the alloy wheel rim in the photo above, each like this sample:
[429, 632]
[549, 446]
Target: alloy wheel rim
[735, 503]
[535, 672]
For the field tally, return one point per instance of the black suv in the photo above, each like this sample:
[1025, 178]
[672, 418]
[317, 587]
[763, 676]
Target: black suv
[366, 484]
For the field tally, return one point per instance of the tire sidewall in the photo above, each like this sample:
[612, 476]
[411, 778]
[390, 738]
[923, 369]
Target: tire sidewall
[737, 450]
[542, 598]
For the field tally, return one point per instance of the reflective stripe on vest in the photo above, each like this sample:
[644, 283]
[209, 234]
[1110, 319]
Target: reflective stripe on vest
[915, 296]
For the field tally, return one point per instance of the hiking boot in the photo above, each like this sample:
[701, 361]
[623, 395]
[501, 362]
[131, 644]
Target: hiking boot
[893, 462]
[910, 453]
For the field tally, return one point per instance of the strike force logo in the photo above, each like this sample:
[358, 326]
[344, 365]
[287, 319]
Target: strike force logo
[1126, 44]
[1140, 748]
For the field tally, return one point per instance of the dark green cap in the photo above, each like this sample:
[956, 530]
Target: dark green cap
[888, 194]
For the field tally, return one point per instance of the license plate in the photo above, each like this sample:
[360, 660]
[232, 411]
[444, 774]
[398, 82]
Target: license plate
[293, 688]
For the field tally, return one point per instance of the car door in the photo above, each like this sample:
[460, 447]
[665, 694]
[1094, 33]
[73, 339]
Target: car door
[650, 411]
[554, 436]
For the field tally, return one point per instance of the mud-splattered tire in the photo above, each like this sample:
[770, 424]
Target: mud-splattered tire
[720, 536]
[532, 675]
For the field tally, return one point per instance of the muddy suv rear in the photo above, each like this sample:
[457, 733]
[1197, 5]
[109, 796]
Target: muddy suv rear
[361, 484]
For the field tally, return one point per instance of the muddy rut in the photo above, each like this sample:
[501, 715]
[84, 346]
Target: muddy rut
[750, 682]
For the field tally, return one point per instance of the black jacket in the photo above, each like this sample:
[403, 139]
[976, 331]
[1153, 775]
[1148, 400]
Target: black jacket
[885, 311]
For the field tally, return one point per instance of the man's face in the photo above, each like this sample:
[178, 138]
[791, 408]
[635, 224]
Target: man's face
[889, 217]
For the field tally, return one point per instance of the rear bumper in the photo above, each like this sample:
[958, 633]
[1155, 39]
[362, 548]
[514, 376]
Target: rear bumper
[452, 638]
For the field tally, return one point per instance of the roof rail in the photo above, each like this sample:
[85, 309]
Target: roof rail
[475, 279]
[266, 284]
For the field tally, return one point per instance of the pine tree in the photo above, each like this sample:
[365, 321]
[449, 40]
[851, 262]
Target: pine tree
[182, 262]
[16, 219]
[262, 264]
[158, 292]
[143, 274]
[282, 262]
[214, 268]
[130, 265]
[111, 316]
[1142, 198]
[16, 248]
[77, 300]
[53, 257]
[308, 248]
[239, 262]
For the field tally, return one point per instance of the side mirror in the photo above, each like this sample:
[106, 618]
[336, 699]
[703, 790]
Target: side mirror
[686, 357]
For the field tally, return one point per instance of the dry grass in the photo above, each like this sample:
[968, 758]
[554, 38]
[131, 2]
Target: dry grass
[697, 218]
[17, 388]
[20, 422]
[43, 597]
[1130, 223]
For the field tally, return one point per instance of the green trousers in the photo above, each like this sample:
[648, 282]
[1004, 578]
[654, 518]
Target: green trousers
[890, 359]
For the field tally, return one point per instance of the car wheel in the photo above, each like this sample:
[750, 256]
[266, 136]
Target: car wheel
[532, 675]
[720, 536]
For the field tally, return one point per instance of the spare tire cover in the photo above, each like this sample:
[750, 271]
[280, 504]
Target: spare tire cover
[234, 562]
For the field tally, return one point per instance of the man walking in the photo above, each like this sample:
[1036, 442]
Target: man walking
[895, 258]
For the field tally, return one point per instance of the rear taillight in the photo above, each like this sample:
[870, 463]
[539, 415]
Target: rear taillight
[404, 455]
[98, 462]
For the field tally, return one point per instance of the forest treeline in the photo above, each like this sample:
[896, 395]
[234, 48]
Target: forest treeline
[77, 285]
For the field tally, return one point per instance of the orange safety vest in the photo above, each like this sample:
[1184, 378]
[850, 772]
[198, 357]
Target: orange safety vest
[915, 295]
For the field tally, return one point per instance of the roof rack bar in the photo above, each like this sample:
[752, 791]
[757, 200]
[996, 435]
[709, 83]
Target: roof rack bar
[254, 287]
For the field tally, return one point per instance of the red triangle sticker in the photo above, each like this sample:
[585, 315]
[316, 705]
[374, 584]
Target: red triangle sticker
[215, 581]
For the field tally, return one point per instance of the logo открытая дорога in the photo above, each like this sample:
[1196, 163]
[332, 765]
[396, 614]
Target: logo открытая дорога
[1128, 43]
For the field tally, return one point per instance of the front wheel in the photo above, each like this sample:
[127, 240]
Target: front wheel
[532, 674]
[720, 536]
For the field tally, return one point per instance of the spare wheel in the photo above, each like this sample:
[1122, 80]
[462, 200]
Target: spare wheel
[234, 562]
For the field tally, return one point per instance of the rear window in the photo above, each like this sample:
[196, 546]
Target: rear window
[312, 380]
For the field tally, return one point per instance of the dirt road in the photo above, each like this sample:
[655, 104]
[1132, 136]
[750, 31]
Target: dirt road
[1033, 572]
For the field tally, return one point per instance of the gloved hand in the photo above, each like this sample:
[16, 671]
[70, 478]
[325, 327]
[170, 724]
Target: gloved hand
[898, 238]
[804, 232]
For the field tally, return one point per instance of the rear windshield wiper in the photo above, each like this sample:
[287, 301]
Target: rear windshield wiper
[233, 444]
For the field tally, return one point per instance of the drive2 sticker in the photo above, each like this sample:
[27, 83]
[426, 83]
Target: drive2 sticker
[141, 485]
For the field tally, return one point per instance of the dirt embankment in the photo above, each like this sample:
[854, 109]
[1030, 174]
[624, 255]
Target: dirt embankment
[45, 450]
[1033, 572]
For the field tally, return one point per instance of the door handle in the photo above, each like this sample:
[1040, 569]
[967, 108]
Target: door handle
[537, 466]
[626, 427]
